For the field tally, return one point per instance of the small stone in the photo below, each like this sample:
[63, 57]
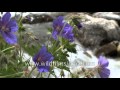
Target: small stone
[118, 49]
[109, 49]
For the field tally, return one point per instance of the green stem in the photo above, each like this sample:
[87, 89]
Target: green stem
[20, 20]
[41, 75]
[38, 75]
[31, 71]
[54, 75]
[8, 48]
[11, 75]
[62, 29]
[48, 75]
[58, 49]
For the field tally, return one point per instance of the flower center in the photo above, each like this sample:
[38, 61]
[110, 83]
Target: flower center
[39, 59]
[4, 28]
[58, 28]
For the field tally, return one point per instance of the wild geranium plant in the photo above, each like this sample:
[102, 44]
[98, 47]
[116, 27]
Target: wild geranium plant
[46, 57]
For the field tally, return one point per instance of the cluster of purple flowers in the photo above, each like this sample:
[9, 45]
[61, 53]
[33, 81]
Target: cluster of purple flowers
[8, 27]
[61, 28]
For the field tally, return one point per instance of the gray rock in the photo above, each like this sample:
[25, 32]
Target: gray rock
[108, 15]
[35, 18]
[37, 32]
[109, 49]
[97, 31]
[118, 49]
[38, 28]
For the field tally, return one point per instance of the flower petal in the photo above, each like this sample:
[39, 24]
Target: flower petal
[68, 28]
[67, 33]
[69, 36]
[0, 23]
[6, 18]
[54, 34]
[47, 57]
[58, 21]
[44, 68]
[103, 62]
[12, 25]
[9, 37]
[36, 56]
[43, 50]
[104, 73]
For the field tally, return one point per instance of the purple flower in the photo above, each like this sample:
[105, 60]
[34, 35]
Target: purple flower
[42, 60]
[79, 26]
[8, 27]
[63, 29]
[103, 64]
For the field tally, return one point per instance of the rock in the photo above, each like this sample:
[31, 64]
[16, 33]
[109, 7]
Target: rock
[108, 15]
[34, 18]
[118, 49]
[38, 17]
[37, 31]
[109, 49]
[96, 31]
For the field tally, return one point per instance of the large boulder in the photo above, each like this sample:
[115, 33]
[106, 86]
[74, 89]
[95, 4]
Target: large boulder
[97, 31]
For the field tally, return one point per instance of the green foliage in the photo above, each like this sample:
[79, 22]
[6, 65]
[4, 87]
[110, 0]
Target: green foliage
[10, 64]
[69, 46]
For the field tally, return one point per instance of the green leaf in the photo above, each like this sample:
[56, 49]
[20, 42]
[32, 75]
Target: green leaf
[64, 68]
[71, 47]
[75, 21]
[50, 30]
